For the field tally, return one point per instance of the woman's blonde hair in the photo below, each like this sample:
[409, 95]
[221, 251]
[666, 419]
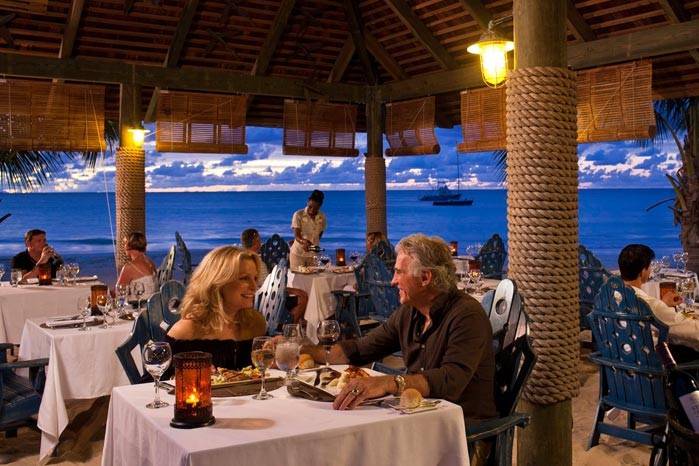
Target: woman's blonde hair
[430, 253]
[373, 238]
[203, 301]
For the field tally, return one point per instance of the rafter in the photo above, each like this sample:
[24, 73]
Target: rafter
[422, 33]
[478, 12]
[676, 13]
[343, 60]
[383, 57]
[578, 25]
[275, 33]
[356, 28]
[71, 30]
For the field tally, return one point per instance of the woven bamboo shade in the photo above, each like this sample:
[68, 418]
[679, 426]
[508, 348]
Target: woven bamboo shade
[615, 103]
[483, 120]
[197, 122]
[24, 6]
[40, 115]
[410, 127]
[317, 128]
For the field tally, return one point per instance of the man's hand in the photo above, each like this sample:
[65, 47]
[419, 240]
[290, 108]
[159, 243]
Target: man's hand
[46, 254]
[671, 298]
[365, 388]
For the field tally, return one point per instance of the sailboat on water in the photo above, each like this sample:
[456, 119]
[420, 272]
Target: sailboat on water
[457, 201]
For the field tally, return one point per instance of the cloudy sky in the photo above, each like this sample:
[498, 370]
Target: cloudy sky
[265, 168]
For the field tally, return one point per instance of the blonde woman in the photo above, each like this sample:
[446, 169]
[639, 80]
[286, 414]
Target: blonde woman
[217, 312]
[139, 268]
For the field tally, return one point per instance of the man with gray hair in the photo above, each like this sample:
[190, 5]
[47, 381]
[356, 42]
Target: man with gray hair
[443, 333]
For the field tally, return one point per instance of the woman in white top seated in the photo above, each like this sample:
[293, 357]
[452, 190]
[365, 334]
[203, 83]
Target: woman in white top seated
[139, 268]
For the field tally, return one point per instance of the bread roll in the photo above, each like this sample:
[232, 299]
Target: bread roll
[410, 398]
[306, 361]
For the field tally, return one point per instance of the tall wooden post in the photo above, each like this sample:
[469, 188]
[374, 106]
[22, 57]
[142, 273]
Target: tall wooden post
[375, 166]
[130, 176]
[543, 222]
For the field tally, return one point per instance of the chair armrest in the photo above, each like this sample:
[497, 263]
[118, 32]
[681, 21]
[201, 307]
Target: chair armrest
[25, 364]
[602, 361]
[495, 426]
[694, 365]
[7, 346]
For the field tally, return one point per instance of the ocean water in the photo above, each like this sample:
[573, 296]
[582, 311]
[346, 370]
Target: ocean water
[78, 224]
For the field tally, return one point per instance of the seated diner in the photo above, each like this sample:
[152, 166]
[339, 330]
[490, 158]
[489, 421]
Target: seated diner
[139, 269]
[38, 252]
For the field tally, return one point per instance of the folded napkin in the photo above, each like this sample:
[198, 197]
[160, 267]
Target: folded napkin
[301, 389]
[91, 278]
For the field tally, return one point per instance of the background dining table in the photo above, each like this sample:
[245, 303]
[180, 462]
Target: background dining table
[82, 365]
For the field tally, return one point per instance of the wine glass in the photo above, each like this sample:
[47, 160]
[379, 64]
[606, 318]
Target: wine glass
[354, 257]
[687, 287]
[104, 302]
[75, 271]
[476, 278]
[328, 335]
[2, 271]
[122, 290]
[665, 261]
[262, 358]
[84, 309]
[325, 260]
[287, 356]
[16, 276]
[293, 331]
[677, 257]
[156, 359]
[138, 289]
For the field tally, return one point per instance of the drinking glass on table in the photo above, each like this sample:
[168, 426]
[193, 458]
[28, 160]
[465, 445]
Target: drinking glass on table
[679, 263]
[686, 288]
[16, 276]
[287, 354]
[156, 359]
[262, 358]
[328, 335]
[104, 303]
[293, 331]
[122, 290]
[2, 271]
[139, 289]
[325, 260]
[354, 257]
[74, 271]
[84, 309]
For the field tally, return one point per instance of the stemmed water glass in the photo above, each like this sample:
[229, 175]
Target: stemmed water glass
[287, 356]
[138, 289]
[104, 303]
[85, 310]
[665, 261]
[74, 271]
[293, 331]
[686, 288]
[156, 359]
[122, 290]
[2, 271]
[679, 262]
[262, 358]
[328, 335]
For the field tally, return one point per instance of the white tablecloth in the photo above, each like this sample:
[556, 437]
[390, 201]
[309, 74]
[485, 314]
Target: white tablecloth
[82, 365]
[20, 303]
[321, 302]
[282, 430]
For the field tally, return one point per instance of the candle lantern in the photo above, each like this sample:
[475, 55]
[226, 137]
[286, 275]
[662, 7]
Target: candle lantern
[96, 292]
[44, 271]
[474, 265]
[340, 256]
[193, 407]
[454, 248]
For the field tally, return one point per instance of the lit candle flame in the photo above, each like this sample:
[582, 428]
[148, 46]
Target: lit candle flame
[192, 399]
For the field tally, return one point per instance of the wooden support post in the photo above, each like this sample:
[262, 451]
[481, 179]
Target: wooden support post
[374, 165]
[540, 41]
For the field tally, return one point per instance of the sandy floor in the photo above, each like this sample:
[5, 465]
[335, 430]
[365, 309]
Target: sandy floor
[81, 443]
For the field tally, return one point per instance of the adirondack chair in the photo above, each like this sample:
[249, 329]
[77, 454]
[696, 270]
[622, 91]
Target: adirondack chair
[386, 253]
[20, 396]
[171, 294]
[270, 298]
[185, 264]
[274, 249]
[139, 336]
[631, 374]
[514, 361]
[157, 326]
[377, 280]
[166, 266]
[592, 276]
[492, 257]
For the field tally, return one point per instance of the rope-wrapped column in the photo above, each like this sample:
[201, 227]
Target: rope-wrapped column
[542, 179]
[130, 196]
[375, 192]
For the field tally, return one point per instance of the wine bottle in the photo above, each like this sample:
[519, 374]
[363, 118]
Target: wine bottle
[315, 248]
[681, 389]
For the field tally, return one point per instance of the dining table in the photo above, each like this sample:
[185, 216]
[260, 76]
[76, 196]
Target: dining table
[17, 304]
[281, 430]
[652, 286]
[82, 365]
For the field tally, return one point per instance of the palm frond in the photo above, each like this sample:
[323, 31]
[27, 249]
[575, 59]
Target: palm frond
[111, 135]
[500, 158]
[26, 170]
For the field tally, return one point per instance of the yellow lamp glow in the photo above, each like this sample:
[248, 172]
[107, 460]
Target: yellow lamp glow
[493, 52]
[138, 135]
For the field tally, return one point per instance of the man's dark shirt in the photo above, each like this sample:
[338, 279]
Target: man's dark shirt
[25, 262]
[455, 353]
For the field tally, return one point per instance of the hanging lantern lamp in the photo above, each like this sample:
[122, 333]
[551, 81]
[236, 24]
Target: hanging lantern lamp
[138, 135]
[493, 52]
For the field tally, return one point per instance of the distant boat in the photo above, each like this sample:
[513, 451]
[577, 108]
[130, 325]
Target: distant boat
[442, 193]
[454, 202]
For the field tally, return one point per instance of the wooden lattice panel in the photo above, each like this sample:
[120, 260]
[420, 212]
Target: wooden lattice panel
[194, 122]
[483, 120]
[410, 127]
[316, 128]
[40, 115]
[615, 103]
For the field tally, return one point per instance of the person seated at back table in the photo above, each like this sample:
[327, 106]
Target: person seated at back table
[377, 243]
[443, 333]
[38, 252]
[251, 241]
[683, 333]
[217, 309]
[139, 268]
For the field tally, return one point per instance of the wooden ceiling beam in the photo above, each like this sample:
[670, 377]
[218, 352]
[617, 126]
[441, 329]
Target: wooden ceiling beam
[343, 61]
[676, 13]
[478, 12]
[422, 33]
[275, 33]
[71, 30]
[357, 32]
[578, 25]
[383, 57]
[189, 78]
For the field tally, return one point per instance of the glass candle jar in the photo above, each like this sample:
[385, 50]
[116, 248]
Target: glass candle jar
[340, 257]
[193, 406]
[44, 273]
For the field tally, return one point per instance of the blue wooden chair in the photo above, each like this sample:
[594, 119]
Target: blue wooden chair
[157, 326]
[271, 296]
[514, 361]
[377, 282]
[492, 257]
[386, 253]
[166, 267]
[275, 249]
[631, 374]
[592, 275]
[20, 396]
[171, 294]
[185, 264]
[139, 336]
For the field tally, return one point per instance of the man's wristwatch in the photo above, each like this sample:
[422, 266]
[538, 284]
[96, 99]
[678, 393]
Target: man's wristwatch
[400, 383]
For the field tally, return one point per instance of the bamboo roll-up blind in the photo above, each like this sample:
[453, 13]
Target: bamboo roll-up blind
[410, 127]
[483, 120]
[317, 128]
[194, 122]
[615, 103]
[40, 115]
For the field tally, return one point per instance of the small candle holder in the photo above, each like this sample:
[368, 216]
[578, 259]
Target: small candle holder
[340, 257]
[97, 291]
[474, 265]
[44, 271]
[193, 406]
[454, 248]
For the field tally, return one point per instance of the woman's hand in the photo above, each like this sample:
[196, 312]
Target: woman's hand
[671, 298]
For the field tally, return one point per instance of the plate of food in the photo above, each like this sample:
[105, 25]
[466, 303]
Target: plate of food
[343, 269]
[411, 401]
[222, 377]
[307, 269]
[330, 381]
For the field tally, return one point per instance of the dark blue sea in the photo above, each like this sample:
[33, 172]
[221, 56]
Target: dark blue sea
[78, 224]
